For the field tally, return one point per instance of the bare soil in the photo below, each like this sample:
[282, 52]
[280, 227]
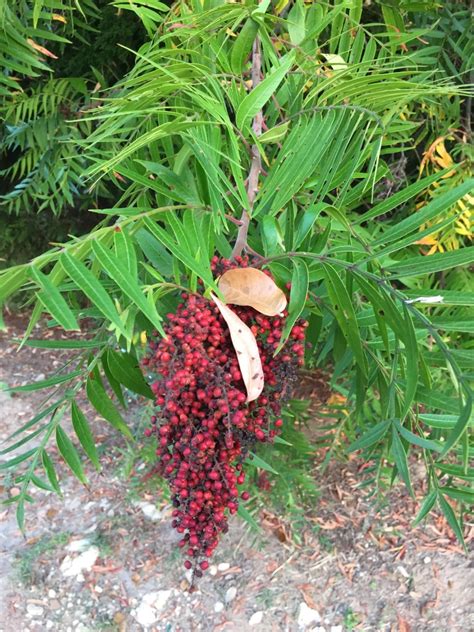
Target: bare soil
[104, 557]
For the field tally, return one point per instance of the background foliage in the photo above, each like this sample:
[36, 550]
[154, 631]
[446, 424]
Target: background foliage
[363, 204]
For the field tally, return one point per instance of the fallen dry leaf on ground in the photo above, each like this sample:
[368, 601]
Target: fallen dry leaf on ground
[252, 287]
[246, 349]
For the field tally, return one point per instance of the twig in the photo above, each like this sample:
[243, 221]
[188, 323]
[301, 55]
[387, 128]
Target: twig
[256, 162]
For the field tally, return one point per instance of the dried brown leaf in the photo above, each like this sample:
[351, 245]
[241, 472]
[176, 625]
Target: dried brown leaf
[252, 287]
[246, 349]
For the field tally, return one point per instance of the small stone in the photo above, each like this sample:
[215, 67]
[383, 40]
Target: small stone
[213, 570]
[151, 512]
[223, 566]
[402, 570]
[40, 377]
[218, 606]
[427, 559]
[98, 589]
[336, 628]
[73, 567]
[34, 610]
[145, 615]
[51, 593]
[83, 628]
[54, 604]
[256, 618]
[230, 594]
[78, 545]
[318, 628]
[49, 625]
[307, 616]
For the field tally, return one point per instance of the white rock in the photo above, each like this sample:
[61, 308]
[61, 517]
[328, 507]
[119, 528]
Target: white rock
[307, 616]
[81, 627]
[336, 628]
[34, 610]
[218, 606]
[427, 560]
[51, 593]
[256, 618]
[73, 567]
[145, 615]
[318, 628]
[213, 570]
[151, 512]
[230, 594]
[223, 566]
[78, 545]
[49, 625]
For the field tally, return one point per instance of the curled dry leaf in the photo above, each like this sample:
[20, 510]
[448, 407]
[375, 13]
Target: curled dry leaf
[246, 349]
[252, 287]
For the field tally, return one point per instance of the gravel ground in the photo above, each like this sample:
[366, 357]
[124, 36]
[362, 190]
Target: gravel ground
[103, 557]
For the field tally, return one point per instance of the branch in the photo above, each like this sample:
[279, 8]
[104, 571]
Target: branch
[256, 162]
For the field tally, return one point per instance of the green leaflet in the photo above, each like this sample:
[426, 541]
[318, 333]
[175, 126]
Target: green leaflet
[114, 383]
[274, 134]
[433, 209]
[70, 454]
[411, 359]
[296, 23]
[461, 425]
[400, 457]
[201, 269]
[242, 46]
[345, 315]
[105, 406]
[245, 514]
[416, 266]
[51, 381]
[372, 436]
[409, 436]
[89, 284]
[306, 223]
[54, 302]
[112, 266]
[399, 198]
[298, 294]
[64, 344]
[451, 518]
[426, 506]
[125, 251]
[257, 461]
[257, 98]
[125, 369]
[84, 433]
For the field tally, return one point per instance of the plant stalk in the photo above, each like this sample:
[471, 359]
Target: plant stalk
[256, 161]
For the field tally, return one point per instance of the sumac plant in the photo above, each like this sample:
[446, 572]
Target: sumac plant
[257, 136]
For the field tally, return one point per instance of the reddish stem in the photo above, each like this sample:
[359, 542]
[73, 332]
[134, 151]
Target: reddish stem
[256, 162]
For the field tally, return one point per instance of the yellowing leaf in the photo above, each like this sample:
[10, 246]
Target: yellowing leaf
[246, 349]
[41, 49]
[252, 287]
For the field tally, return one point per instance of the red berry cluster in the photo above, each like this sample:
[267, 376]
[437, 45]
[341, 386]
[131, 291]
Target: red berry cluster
[203, 423]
